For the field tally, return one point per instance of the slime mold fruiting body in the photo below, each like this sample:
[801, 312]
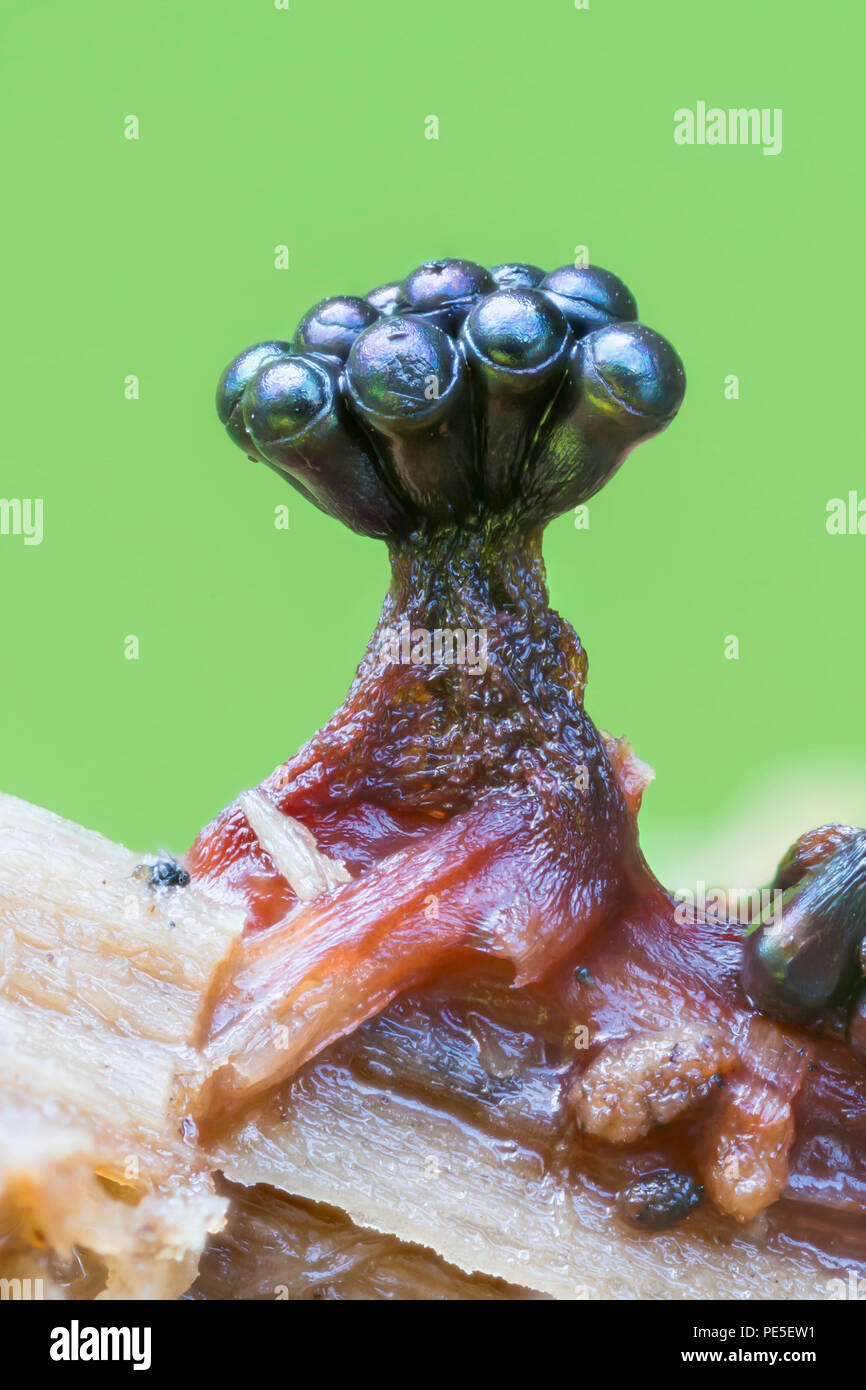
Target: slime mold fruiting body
[488, 831]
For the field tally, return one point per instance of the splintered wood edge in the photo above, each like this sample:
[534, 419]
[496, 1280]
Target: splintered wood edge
[103, 985]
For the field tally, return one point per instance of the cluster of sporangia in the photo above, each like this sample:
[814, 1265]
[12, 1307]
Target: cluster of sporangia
[454, 394]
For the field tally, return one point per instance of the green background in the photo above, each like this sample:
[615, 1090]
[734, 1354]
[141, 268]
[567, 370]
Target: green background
[306, 127]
